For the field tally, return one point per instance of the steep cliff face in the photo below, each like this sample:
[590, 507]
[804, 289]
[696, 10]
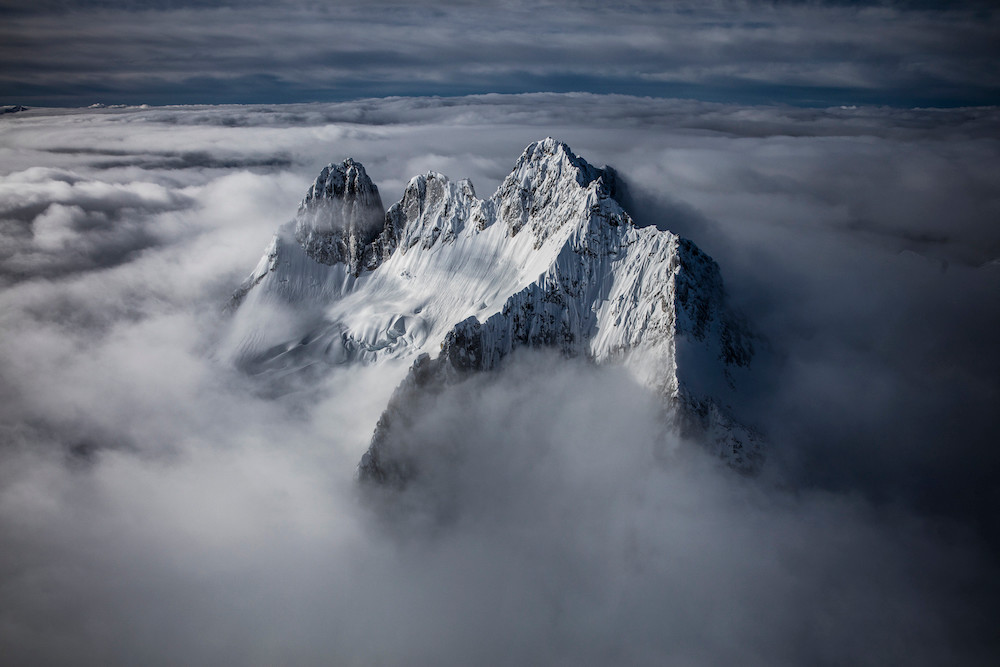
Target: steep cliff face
[550, 260]
[341, 219]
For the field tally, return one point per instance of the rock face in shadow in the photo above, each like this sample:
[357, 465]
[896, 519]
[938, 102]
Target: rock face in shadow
[342, 220]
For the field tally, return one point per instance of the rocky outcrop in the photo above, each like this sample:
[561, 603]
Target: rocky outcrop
[342, 220]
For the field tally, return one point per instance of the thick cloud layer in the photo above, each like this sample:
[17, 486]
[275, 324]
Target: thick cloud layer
[158, 507]
[78, 52]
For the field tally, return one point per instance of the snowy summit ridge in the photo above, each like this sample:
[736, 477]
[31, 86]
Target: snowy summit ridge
[456, 283]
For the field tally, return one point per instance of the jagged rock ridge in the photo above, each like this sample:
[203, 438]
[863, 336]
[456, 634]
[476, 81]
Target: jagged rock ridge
[551, 259]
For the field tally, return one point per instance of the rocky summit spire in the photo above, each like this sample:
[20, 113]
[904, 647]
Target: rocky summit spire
[342, 218]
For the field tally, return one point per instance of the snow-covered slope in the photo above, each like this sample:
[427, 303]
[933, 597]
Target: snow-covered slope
[551, 259]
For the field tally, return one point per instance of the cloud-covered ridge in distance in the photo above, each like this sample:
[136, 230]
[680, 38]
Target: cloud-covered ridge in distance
[157, 507]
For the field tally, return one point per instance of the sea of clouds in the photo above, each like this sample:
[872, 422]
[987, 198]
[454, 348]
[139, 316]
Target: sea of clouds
[159, 507]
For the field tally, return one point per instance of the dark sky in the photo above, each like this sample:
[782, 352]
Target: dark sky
[80, 52]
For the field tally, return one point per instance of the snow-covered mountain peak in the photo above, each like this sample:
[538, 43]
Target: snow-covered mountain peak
[434, 208]
[550, 259]
[552, 158]
[549, 186]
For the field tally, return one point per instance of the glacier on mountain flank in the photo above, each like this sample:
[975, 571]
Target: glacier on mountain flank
[456, 283]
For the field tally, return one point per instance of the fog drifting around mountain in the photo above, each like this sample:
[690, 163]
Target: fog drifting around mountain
[159, 507]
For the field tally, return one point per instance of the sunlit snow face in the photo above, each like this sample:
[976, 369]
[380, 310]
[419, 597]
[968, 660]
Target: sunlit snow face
[154, 500]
